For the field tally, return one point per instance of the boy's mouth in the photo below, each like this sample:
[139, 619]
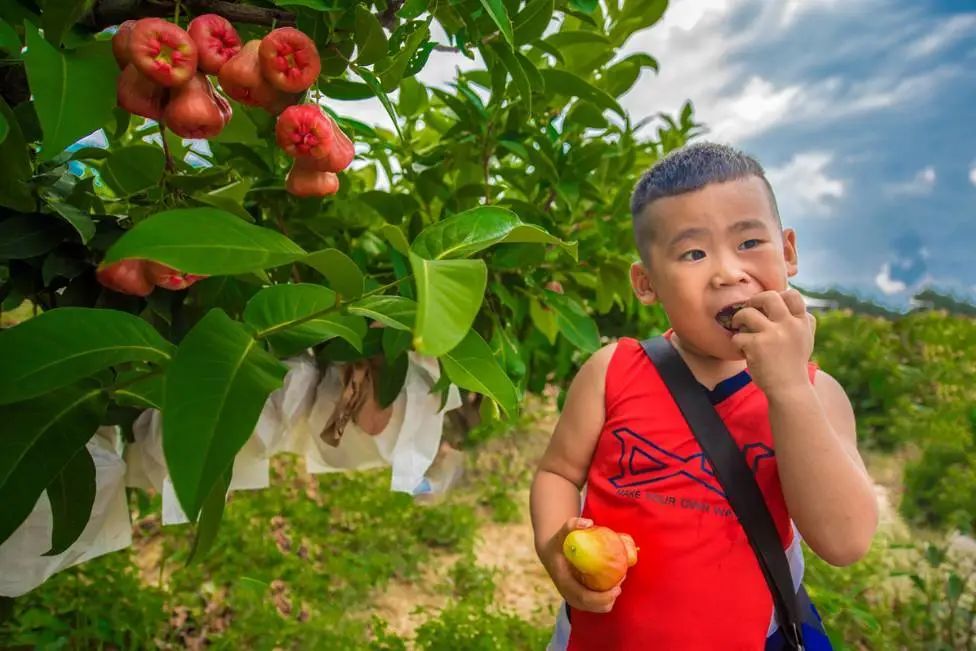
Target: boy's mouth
[724, 316]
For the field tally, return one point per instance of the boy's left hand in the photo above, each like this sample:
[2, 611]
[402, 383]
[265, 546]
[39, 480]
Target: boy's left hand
[776, 338]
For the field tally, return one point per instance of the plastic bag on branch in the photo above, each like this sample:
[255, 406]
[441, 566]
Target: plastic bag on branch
[277, 429]
[406, 436]
[22, 566]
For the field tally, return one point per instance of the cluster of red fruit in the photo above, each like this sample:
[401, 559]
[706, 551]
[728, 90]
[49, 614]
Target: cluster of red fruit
[164, 78]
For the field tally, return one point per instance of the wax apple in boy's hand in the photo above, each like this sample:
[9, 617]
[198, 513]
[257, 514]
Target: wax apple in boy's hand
[600, 556]
[567, 578]
[775, 334]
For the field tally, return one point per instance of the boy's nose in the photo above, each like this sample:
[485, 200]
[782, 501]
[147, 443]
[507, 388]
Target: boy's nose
[729, 273]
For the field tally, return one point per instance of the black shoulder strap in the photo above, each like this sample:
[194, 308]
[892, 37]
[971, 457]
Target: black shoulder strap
[736, 478]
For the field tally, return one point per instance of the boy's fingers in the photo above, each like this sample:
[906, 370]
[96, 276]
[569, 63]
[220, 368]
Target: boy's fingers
[597, 602]
[577, 523]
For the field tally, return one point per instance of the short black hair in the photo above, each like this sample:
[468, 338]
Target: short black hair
[687, 169]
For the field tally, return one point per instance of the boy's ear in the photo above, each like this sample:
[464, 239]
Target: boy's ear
[789, 252]
[640, 280]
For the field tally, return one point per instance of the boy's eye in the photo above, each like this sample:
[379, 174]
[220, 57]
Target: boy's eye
[685, 254]
[753, 240]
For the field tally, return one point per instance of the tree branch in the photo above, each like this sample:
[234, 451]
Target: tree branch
[112, 12]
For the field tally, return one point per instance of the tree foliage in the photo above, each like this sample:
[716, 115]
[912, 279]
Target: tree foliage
[489, 228]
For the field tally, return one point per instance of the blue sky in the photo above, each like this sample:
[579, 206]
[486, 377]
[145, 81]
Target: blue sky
[861, 113]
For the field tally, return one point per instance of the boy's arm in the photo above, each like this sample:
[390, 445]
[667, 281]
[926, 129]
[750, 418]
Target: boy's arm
[555, 495]
[828, 491]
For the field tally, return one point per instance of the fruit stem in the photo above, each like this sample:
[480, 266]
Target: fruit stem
[176, 13]
[169, 156]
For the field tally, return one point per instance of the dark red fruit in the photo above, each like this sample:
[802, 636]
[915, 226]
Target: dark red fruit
[304, 130]
[304, 180]
[169, 278]
[139, 95]
[216, 40]
[120, 44]
[193, 110]
[289, 60]
[162, 51]
[125, 277]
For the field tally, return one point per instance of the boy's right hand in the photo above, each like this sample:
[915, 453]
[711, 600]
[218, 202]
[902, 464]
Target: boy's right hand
[575, 593]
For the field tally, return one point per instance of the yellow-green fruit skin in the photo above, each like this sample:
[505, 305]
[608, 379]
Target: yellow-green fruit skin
[599, 556]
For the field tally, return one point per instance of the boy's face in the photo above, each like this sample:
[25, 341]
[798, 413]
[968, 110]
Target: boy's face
[734, 251]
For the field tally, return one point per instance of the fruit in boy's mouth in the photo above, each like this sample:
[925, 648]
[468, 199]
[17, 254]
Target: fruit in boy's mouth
[599, 556]
[289, 59]
[216, 40]
[162, 51]
[724, 317]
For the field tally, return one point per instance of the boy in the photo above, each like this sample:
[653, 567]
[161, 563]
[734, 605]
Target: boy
[710, 241]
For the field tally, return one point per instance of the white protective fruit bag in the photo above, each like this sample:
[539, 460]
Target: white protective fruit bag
[22, 564]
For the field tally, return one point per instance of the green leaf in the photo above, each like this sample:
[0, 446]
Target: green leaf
[210, 516]
[9, 41]
[560, 82]
[26, 236]
[496, 9]
[72, 494]
[241, 129]
[205, 241]
[577, 37]
[74, 92]
[59, 15]
[132, 169]
[370, 39]
[216, 387]
[574, 323]
[81, 221]
[515, 69]
[544, 320]
[16, 165]
[346, 90]
[450, 293]
[412, 8]
[340, 270]
[391, 70]
[4, 128]
[296, 316]
[392, 311]
[636, 15]
[586, 6]
[389, 381]
[380, 94]
[413, 97]
[531, 22]
[64, 345]
[472, 366]
[396, 238]
[41, 436]
[139, 388]
[464, 234]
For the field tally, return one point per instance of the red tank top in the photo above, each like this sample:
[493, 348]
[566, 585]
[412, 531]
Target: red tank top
[697, 583]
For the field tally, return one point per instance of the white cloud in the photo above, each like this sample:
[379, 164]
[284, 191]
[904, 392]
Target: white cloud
[704, 49]
[921, 184]
[803, 187]
[972, 174]
[757, 107]
[885, 282]
[943, 35]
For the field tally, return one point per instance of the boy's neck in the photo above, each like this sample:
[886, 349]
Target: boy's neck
[708, 370]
